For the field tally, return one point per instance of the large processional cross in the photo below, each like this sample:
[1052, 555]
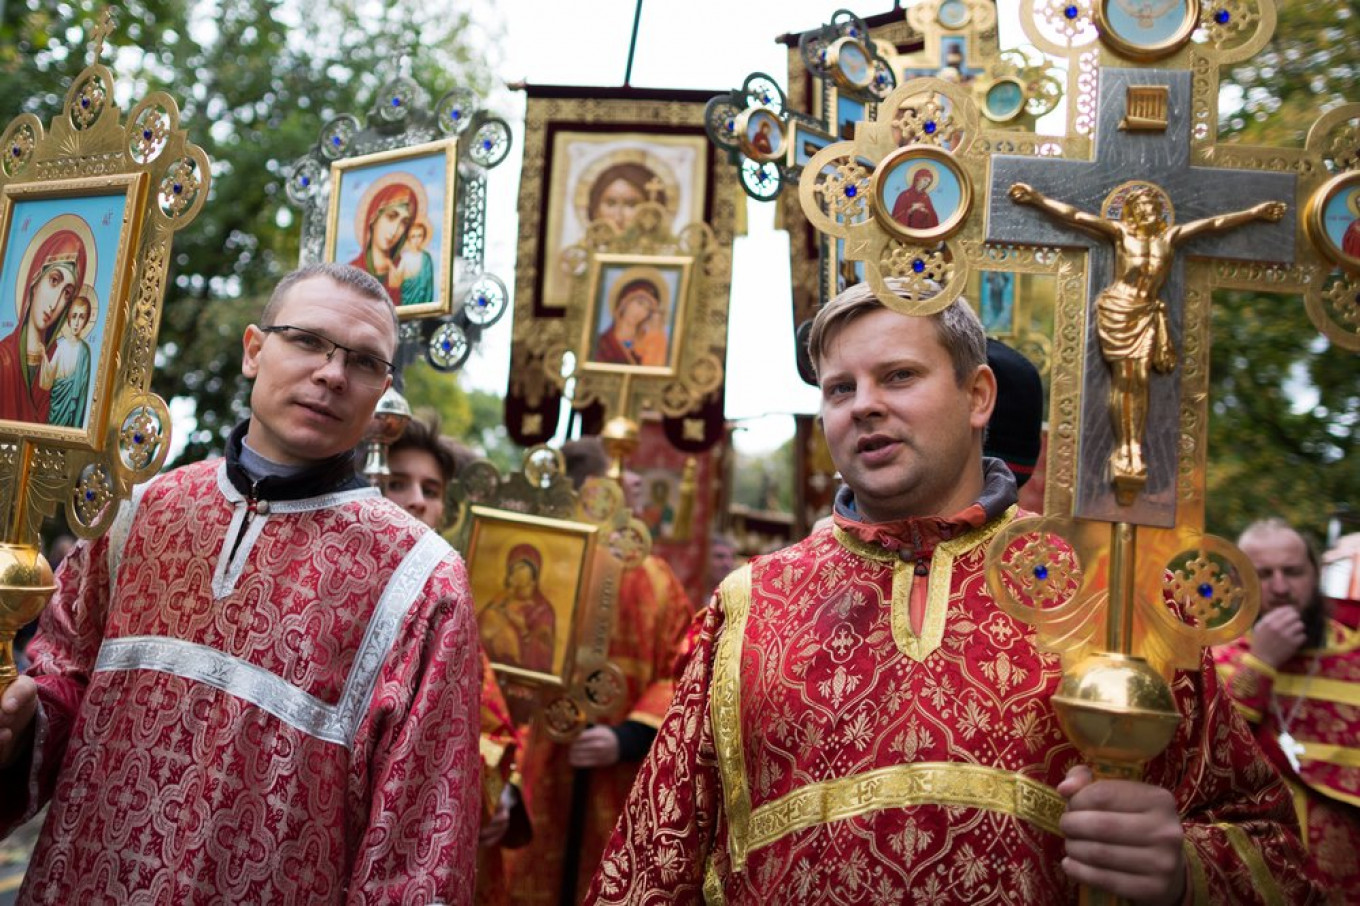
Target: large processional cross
[1140, 214]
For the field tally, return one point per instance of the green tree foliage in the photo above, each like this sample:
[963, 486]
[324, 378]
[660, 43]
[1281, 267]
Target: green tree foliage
[473, 417]
[255, 81]
[1285, 417]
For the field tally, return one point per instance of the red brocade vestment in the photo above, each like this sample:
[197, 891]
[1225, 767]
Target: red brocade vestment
[1317, 695]
[821, 750]
[293, 723]
[653, 615]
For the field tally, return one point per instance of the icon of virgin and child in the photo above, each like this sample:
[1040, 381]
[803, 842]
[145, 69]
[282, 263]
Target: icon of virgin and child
[637, 330]
[392, 228]
[519, 625]
[46, 362]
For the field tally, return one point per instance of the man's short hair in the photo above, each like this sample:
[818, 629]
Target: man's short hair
[424, 436]
[585, 458]
[957, 325]
[360, 281]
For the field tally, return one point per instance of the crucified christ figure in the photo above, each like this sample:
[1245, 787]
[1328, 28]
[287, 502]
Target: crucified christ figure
[1130, 314]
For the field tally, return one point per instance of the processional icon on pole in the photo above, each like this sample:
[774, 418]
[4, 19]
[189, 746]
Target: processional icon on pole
[88, 209]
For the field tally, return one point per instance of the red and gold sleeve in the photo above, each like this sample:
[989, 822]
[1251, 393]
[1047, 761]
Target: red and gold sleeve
[1241, 832]
[659, 846]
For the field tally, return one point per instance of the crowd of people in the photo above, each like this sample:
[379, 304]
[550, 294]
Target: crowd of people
[269, 682]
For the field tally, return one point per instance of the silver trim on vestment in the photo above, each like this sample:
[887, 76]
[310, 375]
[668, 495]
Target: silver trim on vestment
[337, 723]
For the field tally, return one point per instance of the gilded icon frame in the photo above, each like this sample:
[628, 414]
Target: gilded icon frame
[609, 275]
[1109, 24]
[566, 583]
[1321, 211]
[57, 209]
[429, 172]
[939, 162]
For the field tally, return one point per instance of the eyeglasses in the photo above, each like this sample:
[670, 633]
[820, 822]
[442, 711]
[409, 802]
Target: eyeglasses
[364, 368]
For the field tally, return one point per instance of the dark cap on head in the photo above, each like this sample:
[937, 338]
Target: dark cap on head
[1015, 431]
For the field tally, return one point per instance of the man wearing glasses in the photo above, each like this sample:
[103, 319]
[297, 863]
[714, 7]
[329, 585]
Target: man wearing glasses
[262, 685]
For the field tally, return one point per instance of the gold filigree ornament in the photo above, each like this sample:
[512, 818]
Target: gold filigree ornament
[88, 208]
[900, 194]
[1329, 192]
[580, 545]
[647, 308]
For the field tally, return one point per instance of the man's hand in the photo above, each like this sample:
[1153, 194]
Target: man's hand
[596, 747]
[1124, 837]
[17, 707]
[1278, 635]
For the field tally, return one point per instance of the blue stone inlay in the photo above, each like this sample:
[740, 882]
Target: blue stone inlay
[486, 144]
[177, 188]
[306, 181]
[918, 265]
[1041, 572]
[1206, 590]
[396, 102]
[930, 127]
[1071, 12]
[851, 191]
[446, 346]
[89, 495]
[146, 134]
[456, 113]
[335, 140]
[16, 151]
[137, 438]
[1222, 17]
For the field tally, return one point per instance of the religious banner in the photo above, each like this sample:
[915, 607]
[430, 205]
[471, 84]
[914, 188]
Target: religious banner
[623, 272]
[88, 209]
[403, 197]
[544, 565]
[1139, 214]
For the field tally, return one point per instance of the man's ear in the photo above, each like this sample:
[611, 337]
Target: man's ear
[982, 396]
[251, 342]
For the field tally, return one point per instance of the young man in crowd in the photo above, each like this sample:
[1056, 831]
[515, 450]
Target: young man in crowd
[860, 723]
[261, 686]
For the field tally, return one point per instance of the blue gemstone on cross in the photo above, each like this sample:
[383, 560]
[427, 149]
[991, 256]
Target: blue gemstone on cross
[137, 438]
[16, 151]
[486, 144]
[1041, 572]
[1205, 590]
[1222, 17]
[89, 496]
[456, 114]
[851, 191]
[85, 102]
[446, 346]
[918, 265]
[396, 102]
[1071, 12]
[483, 301]
[177, 188]
[335, 140]
[146, 134]
[930, 127]
[306, 181]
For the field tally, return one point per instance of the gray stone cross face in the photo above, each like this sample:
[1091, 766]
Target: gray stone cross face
[1160, 157]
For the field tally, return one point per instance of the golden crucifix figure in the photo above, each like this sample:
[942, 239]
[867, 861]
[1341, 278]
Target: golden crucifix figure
[1130, 314]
